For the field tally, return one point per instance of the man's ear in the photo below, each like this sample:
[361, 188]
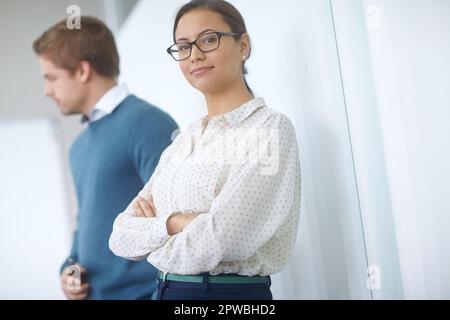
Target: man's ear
[83, 71]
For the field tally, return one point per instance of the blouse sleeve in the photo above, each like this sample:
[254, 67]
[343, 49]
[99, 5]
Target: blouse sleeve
[135, 237]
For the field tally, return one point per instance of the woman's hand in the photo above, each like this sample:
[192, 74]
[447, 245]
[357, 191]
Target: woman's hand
[178, 221]
[144, 208]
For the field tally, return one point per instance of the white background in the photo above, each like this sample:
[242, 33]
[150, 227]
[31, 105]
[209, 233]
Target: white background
[34, 225]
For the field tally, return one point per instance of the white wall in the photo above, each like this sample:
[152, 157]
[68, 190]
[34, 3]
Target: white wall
[34, 219]
[416, 137]
[353, 22]
[397, 79]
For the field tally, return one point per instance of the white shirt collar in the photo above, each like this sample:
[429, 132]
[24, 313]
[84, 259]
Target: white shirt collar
[237, 115]
[107, 103]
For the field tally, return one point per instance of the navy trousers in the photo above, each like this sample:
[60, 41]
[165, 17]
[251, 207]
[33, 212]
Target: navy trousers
[177, 290]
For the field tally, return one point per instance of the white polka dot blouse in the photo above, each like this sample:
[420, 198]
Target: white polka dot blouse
[241, 172]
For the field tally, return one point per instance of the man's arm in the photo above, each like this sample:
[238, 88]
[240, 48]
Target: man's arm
[151, 134]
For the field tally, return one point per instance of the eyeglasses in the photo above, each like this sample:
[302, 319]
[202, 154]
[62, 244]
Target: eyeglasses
[208, 42]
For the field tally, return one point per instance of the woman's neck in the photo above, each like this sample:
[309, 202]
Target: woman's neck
[223, 102]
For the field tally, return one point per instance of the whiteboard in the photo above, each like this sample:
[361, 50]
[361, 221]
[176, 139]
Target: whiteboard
[34, 210]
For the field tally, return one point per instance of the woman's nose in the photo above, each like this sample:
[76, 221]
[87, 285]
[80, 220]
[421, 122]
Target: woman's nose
[196, 54]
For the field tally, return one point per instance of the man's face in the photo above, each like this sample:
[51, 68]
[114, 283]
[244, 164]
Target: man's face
[65, 88]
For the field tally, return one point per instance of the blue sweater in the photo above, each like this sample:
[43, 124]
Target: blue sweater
[111, 161]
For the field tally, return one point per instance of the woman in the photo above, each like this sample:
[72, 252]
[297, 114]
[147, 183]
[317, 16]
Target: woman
[220, 213]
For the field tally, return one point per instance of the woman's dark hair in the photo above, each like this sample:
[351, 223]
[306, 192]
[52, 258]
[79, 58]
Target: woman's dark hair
[228, 12]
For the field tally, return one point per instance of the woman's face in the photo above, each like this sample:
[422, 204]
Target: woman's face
[214, 71]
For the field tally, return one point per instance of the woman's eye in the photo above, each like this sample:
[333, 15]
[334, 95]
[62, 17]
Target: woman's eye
[183, 47]
[209, 39]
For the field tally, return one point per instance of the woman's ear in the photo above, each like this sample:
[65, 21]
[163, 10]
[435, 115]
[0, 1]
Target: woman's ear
[245, 45]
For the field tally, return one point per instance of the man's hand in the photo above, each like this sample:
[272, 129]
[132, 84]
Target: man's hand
[72, 286]
[177, 222]
[144, 208]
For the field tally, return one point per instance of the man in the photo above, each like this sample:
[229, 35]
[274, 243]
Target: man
[111, 159]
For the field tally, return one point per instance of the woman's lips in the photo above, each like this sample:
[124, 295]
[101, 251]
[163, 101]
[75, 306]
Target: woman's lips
[200, 71]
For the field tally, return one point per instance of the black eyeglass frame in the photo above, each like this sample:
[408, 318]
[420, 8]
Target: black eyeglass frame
[219, 35]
